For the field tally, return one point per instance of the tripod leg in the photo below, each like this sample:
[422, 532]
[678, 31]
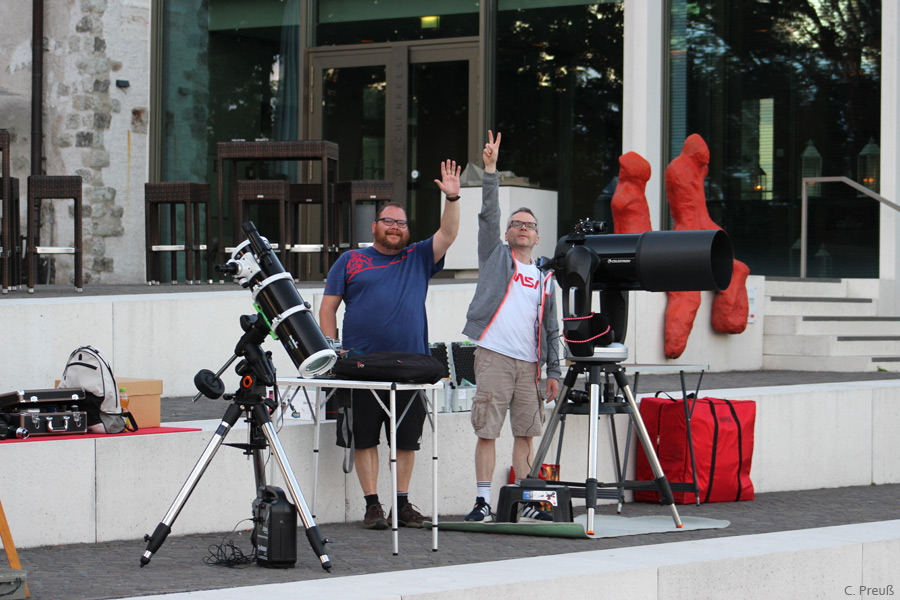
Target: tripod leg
[165, 526]
[550, 429]
[590, 484]
[661, 482]
[261, 417]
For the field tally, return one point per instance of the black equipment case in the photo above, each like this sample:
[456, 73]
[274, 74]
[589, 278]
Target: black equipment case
[46, 412]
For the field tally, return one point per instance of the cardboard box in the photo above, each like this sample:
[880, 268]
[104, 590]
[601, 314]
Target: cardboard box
[143, 399]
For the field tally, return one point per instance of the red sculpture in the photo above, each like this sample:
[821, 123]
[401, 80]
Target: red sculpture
[684, 179]
[629, 202]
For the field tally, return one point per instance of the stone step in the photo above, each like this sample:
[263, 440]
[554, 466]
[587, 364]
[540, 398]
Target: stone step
[826, 288]
[820, 306]
[813, 325]
[838, 364]
[830, 345]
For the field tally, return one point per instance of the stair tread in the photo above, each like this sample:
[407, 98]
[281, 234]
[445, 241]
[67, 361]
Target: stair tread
[818, 299]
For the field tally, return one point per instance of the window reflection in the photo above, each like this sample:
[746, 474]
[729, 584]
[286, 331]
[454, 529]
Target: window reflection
[559, 100]
[778, 90]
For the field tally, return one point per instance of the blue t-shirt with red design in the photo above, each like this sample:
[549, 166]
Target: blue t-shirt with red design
[384, 297]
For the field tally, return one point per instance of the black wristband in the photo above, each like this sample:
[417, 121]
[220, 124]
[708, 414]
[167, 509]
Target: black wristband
[453, 199]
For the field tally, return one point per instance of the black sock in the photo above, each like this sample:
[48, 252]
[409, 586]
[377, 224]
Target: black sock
[402, 499]
[371, 499]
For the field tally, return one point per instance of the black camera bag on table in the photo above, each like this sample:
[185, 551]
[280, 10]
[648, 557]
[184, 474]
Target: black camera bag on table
[399, 367]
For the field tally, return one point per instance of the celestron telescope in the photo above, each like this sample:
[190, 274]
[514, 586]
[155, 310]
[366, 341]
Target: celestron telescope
[591, 260]
[282, 313]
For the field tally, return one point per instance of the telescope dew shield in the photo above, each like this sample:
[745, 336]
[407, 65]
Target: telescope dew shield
[287, 313]
[656, 261]
[684, 261]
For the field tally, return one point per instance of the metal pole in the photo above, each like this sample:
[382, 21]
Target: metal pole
[803, 227]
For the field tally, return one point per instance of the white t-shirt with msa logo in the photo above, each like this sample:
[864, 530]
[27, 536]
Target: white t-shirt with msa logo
[513, 331]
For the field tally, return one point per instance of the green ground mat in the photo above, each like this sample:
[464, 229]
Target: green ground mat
[605, 526]
[570, 530]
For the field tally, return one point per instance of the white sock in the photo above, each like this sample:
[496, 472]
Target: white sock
[484, 490]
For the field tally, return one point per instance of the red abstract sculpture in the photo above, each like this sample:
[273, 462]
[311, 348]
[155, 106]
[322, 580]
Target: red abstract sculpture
[629, 202]
[684, 179]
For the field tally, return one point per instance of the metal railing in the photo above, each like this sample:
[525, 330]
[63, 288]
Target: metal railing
[804, 208]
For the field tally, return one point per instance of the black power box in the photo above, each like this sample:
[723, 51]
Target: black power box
[275, 534]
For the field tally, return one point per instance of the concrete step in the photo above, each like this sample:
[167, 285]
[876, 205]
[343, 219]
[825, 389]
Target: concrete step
[830, 345]
[827, 288]
[820, 306]
[812, 325]
[838, 364]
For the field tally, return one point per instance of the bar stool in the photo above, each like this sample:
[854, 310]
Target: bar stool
[348, 194]
[53, 187]
[172, 194]
[10, 249]
[307, 194]
[266, 191]
[9, 218]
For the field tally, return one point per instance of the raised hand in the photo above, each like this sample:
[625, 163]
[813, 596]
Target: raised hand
[449, 182]
[491, 152]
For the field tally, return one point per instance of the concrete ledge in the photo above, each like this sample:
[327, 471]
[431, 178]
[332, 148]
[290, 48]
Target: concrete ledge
[830, 562]
[69, 491]
[172, 336]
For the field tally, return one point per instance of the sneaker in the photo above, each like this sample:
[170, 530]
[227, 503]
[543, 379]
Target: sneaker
[374, 518]
[410, 517]
[481, 513]
[532, 514]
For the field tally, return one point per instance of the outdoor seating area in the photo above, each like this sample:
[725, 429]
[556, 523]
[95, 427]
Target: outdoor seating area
[243, 189]
[185, 229]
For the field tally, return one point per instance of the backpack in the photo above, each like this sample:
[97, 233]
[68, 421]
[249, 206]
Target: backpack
[88, 369]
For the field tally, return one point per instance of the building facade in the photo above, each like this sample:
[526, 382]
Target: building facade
[142, 90]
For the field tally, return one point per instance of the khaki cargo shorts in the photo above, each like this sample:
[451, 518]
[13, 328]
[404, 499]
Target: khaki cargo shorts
[506, 384]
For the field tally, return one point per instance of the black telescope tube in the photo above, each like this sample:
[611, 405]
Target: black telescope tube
[285, 310]
[683, 261]
[656, 261]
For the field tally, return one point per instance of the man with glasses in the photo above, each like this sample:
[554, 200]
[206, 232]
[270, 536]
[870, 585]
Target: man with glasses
[512, 320]
[383, 288]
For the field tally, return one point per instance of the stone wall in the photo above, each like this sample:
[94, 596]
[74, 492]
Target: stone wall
[92, 126]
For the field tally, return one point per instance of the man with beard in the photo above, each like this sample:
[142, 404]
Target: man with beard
[512, 320]
[383, 288]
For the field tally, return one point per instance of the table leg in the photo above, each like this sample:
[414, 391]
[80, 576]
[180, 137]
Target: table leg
[318, 422]
[434, 472]
[394, 516]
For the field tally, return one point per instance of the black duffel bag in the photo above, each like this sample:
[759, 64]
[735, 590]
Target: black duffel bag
[401, 367]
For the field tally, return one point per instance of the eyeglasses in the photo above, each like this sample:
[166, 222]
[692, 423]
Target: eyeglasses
[391, 222]
[529, 225]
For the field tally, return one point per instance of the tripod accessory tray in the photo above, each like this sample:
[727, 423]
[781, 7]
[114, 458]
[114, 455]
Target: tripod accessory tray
[531, 490]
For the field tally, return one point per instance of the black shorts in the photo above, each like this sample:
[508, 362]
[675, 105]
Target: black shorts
[369, 418]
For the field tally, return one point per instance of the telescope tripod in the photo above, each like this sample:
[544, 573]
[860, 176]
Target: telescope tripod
[596, 367]
[257, 372]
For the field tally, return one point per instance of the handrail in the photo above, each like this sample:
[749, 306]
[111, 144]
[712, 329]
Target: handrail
[804, 208]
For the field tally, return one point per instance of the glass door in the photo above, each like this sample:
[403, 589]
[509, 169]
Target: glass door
[396, 111]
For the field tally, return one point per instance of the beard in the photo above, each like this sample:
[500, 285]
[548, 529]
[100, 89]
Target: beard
[390, 242]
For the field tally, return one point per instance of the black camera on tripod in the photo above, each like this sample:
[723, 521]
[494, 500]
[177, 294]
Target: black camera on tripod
[591, 259]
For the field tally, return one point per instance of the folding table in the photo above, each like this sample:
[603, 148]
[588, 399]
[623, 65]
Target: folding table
[287, 385]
